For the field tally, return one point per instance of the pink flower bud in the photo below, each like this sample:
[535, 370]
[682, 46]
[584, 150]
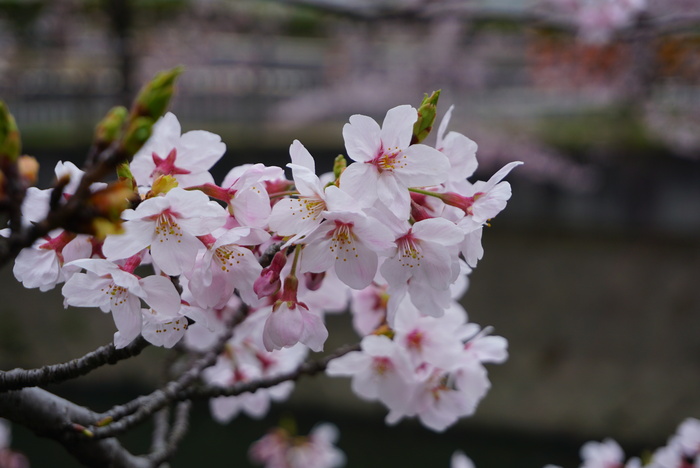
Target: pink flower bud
[269, 282]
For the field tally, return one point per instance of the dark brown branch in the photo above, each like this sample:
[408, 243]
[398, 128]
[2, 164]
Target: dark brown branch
[108, 354]
[307, 368]
[48, 415]
[122, 418]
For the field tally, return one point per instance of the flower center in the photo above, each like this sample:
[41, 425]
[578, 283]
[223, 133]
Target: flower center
[227, 256]
[167, 228]
[343, 242]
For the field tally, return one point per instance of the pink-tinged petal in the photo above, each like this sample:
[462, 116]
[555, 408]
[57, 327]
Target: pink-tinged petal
[283, 328]
[251, 206]
[347, 365]
[499, 176]
[224, 409]
[360, 181]
[378, 345]
[87, 290]
[147, 208]
[292, 216]
[164, 333]
[210, 217]
[80, 247]
[394, 272]
[301, 156]
[461, 151]
[490, 349]
[161, 295]
[127, 318]
[128, 281]
[194, 208]
[173, 255]
[137, 236]
[362, 138]
[491, 203]
[471, 247]
[339, 200]
[306, 182]
[394, 195]
[194, 179]
[397, 128]
[317, 256]
[37, 268]
[439, 231]
[356, 267]
[35, 206]
[436, 267]
[443, 127]
[199, 150]
[424, 166]
[315, 333]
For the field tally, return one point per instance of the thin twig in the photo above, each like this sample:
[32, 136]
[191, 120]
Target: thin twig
[121, 418]
[108, 354]
[307, 368]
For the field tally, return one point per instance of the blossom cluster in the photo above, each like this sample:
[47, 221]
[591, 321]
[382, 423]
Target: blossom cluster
[280, 449]
[681, 451]
[391, 236]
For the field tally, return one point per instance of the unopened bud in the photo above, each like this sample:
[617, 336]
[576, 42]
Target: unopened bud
[426, 117]
[154, 97]
[162, 184]
[269, 282]
[108, 205]
[125, 176]
[339, 166]
[28, 169]
[109, 128]
[10, 143]
[138, 132]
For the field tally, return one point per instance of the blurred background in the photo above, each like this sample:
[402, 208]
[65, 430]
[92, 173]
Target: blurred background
[591, 272]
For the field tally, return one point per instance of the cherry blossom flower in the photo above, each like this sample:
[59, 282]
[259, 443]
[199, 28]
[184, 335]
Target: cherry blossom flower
[246, 193]
[348, 240]
[299, 216]
[43, 265]
[380, 371]
[279, 449]
[227, 265]
[244, 360]
[386, 163]
[116, 289]
[423, 266]
[168, 224]
[187, 157]
[290, 322]
[460, 150]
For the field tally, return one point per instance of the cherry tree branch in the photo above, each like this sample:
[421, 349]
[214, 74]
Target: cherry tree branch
[48, 415]
[308, 368]
[108, 354]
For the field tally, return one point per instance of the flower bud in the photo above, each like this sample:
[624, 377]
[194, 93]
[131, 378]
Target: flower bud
[426, 117]
[109, 128]
[339, 166]
[28, 169]
[154, 97]
[269, 282]
[137, 133]
[10, 143]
